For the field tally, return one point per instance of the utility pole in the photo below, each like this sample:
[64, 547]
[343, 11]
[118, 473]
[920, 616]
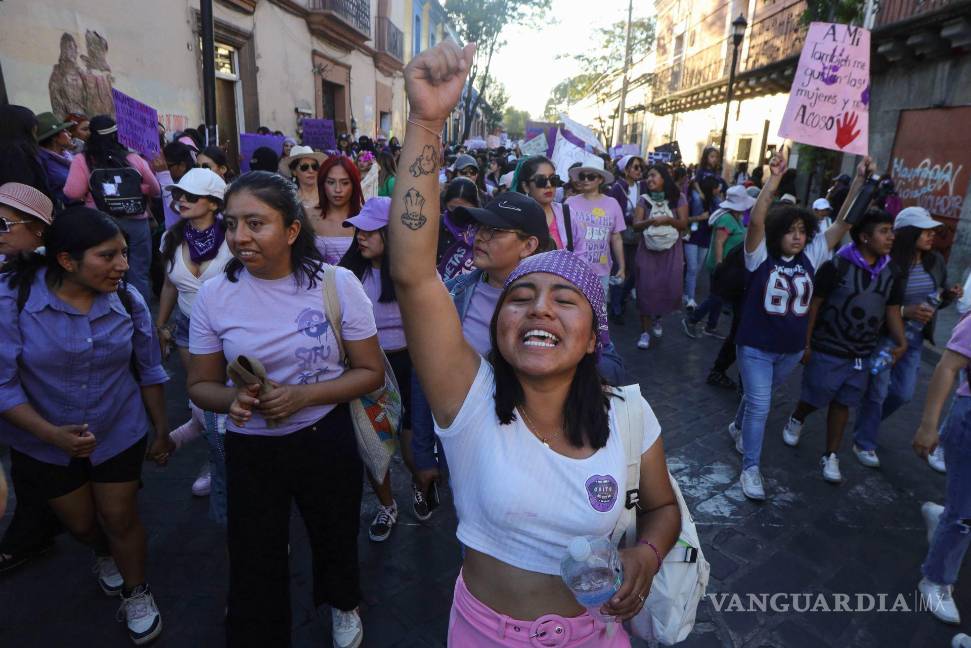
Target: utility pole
[619, 135]
[209, 71]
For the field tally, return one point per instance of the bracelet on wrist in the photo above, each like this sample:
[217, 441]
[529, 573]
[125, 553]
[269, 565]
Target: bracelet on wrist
[657, 553]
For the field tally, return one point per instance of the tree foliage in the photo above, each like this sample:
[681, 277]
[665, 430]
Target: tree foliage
[482, 22]
[566, 92]
[515, 122]
[495, 104]
[838, 11]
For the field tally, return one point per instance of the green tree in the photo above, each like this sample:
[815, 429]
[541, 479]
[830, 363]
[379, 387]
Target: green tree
[495, 105]
[566, 92]
[608, 57]
[482, 22]
[515, 122]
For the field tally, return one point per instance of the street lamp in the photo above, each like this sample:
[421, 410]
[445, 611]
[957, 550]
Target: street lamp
[738, 33]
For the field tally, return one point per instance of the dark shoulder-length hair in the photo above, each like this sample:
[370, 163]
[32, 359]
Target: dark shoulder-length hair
[175, 235]
[460, 187]
[528, 170]
[354, 261]
[280, 194]
[357, 194]
[586, 410]
[671, 192]
[778, 221]
[904, 251]
[104, 150]
[75, 230]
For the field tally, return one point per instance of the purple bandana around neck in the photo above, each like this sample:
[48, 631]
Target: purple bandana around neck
[852, 254]
[204, 245]
[568, 265]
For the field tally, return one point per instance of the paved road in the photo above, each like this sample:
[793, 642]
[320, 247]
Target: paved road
[865, 536]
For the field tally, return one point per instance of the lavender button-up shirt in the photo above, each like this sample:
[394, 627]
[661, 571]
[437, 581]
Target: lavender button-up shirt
[75, 368]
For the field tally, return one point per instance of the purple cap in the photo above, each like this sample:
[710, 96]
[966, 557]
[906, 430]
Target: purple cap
[568, 265]
[373, 215]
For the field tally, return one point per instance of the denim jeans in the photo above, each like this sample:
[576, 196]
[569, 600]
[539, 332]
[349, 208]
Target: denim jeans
[139, 235]
[761, 372]
[618, 294]
[694, 257]
[887, 392]
[423, 439]
[712, 307]
[953, 534]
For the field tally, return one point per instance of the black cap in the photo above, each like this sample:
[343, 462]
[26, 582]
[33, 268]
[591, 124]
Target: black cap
[510, 210]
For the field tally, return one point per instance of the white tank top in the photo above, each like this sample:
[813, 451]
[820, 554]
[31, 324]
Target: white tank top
[187, 283]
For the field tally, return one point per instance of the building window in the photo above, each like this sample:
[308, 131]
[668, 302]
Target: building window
[744, 149]
[416, 37]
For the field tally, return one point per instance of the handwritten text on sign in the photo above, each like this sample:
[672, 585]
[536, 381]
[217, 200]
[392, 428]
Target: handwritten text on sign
[137, 125]
[829, 100]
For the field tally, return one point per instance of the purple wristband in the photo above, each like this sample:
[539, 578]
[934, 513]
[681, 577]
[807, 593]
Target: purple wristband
[656, 553]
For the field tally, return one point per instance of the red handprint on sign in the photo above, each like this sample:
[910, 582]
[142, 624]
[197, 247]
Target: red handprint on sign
[845, 132]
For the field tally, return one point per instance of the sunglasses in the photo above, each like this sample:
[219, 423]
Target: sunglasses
[313, 166]
[178, 194]
[636, 167]
[542, 182]
[588, 177]
[5, 224]
[469, 172]
[204, 165]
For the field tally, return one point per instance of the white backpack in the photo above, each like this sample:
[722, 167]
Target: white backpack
[669, 612]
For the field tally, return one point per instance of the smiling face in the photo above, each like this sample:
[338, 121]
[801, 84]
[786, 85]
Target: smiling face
[655, 182]
[102, 267]
[545, 326]
[338, 187]
[256, 235]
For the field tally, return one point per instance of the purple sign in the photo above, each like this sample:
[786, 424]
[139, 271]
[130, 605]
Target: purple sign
[137, 125]
[249, 142]
[319, 134]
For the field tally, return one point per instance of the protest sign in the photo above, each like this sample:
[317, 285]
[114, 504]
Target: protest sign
[659, 156]
[566, 153]
[829, 101]
[319, 134]
[534, 146]
[137, 125]
[621, 150]
[249, 142]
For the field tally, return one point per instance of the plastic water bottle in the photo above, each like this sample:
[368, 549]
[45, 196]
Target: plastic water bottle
[882, 361]
[884, 357]
[916, 326]
[593, 572]
[961, 640]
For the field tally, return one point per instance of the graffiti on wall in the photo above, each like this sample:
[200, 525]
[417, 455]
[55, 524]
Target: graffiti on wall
[77, 89]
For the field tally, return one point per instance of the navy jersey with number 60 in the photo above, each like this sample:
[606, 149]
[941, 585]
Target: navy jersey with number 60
[779, 292]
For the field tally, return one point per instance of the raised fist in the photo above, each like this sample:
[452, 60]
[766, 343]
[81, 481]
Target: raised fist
[434, 80]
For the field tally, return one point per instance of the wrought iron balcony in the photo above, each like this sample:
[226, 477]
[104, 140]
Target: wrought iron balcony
[389, 39]
[335, 16]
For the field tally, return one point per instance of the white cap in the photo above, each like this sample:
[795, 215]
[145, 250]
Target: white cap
[788, 198]
[579, 549]
[201, 182]
[915, 217]
[821, 204]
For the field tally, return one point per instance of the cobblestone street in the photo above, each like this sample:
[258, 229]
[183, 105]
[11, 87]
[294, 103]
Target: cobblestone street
[865, 536]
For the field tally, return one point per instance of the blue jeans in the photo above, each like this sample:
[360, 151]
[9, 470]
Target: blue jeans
[761, 372]
[423, 439]
[887, 392]
[712, 307]
[139, 236]
[953, 534]
[618, 294]
[694, 257]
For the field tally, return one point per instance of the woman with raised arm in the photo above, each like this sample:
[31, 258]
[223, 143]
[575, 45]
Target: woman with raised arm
[532, 421]
[782, 252]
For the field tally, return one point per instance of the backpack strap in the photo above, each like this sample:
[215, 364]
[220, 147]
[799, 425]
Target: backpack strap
[630, 424]
[568, 225]
[332, 308]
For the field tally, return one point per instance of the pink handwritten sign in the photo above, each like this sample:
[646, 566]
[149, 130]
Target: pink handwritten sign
[829, 102]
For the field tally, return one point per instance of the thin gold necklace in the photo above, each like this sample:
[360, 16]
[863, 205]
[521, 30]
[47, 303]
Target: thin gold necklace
[532, 428]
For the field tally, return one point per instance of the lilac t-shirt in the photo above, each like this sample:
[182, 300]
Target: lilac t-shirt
[332, 248]
[284, 327]
[478, 317]
[600, 219]
[387, 316]
[960, 342]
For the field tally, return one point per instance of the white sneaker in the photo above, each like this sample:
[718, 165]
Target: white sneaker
[752, 483]
[936, 460]
[831, 468]
[791, 432]
[736, 435]
[109, 579]
[868, 458]
[691, 304]
[644, 341]
[932, 515]
[348, 631]
[203, 483]
[141, 615]
[658, 330]
[938, 600]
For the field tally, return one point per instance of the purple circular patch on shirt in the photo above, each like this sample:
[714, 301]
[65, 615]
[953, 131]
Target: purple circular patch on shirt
[602, 491]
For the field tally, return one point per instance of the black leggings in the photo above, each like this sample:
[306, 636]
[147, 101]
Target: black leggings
[317, 467]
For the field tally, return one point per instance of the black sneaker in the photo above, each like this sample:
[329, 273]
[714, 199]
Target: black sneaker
[713, 332]
[383, 521]
[690, 328]
[10, 561]
[419, 503]
[720, 379]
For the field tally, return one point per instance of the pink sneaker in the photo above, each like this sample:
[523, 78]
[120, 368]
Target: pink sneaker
[200, 487]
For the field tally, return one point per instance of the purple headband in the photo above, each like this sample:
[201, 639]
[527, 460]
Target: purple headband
[365, 157]
[568, 265]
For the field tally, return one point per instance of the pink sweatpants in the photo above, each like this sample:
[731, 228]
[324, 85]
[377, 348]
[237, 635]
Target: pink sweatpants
[474, 625]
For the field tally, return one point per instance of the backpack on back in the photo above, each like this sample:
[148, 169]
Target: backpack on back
[117, 191]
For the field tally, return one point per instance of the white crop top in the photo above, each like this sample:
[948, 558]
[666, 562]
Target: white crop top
[187, 283]
[519, 501]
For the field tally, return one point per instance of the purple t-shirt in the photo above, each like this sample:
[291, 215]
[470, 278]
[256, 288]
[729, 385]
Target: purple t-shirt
[600, 219]
[284, 327]
[387, 315]
[960, 342]
[332, 248]
[478, 317]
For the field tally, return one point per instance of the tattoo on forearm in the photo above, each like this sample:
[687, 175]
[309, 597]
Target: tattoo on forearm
[425, 163]
[413, 218]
